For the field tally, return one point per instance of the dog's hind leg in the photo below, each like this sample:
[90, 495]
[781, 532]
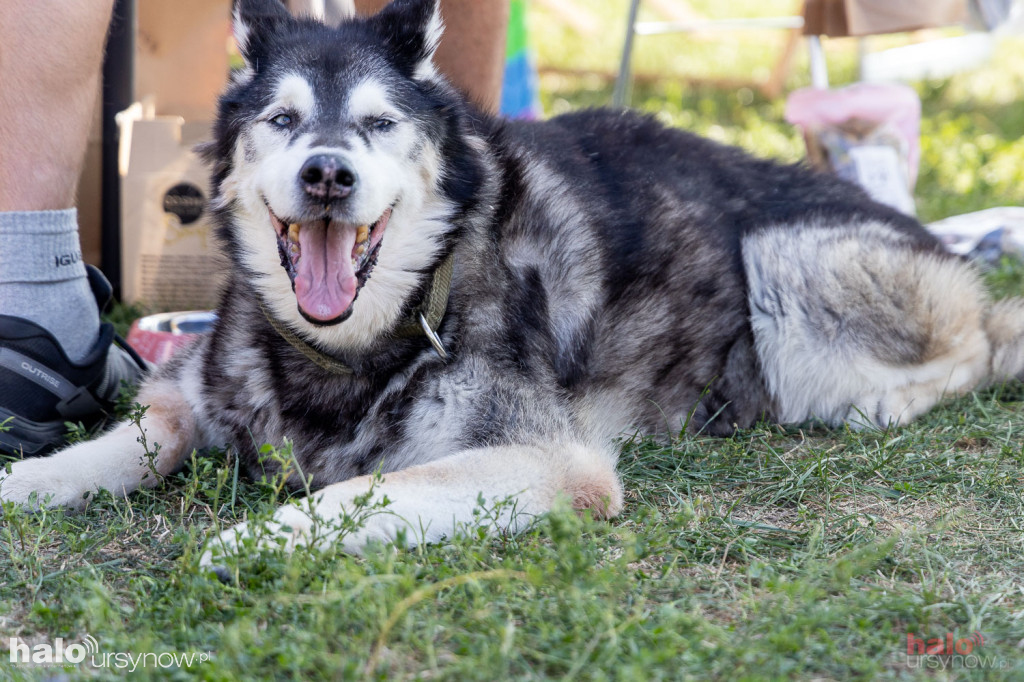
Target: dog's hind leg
[116, 461]
[859, 323]
[432, 501]
[1004, 325]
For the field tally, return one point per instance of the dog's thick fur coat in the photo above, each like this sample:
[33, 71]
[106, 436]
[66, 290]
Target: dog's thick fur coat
[609, 274]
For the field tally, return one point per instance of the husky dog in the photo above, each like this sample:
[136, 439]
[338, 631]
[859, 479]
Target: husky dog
[477, 308]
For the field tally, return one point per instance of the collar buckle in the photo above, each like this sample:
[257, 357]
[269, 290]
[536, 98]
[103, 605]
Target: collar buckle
[434, 339]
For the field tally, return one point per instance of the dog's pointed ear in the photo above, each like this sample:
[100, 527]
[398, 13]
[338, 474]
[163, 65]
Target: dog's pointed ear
[254, 24]
[411, 30]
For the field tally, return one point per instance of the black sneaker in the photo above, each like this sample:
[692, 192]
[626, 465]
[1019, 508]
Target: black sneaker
[41, 389]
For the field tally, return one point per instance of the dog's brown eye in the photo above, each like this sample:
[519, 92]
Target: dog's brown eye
[383, 123]
[282, 121]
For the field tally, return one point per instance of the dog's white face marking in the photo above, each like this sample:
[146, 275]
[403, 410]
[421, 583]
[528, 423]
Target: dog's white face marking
[395, 166]
[293, 93]
[369, 100]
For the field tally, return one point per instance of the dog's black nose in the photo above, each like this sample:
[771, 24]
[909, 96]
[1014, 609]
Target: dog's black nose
[326, 177]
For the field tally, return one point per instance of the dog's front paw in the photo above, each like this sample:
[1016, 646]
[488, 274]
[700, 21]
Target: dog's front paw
[289, 528]
[41, 482]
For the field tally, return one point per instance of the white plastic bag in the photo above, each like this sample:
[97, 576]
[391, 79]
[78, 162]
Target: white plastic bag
[867, 133]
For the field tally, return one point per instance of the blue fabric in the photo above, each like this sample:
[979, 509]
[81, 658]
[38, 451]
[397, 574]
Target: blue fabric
[519, 90]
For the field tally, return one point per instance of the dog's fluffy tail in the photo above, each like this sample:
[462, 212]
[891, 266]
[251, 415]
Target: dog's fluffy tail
[1005, 329]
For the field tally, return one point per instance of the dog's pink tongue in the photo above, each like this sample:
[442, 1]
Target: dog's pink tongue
[325, 280]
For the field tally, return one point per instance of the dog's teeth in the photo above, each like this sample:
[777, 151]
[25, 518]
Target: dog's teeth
[293, 232]
[361, 249]
[362, 234]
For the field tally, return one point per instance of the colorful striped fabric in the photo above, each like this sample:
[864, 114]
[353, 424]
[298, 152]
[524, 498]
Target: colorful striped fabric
[519, 90]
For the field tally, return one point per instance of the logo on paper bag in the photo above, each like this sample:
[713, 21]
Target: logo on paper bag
[186, 201]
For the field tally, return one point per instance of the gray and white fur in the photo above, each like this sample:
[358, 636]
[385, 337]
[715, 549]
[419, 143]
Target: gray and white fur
[610, 273]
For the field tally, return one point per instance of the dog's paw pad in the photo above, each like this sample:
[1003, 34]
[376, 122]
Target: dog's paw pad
[223, 574]
[207, 564]
[225, 544]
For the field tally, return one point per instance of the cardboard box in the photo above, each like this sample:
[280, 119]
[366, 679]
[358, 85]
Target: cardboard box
[181, 59]
[168, 259]
[868, 17]
[167, 244]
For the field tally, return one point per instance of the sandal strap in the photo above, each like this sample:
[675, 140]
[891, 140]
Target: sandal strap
[75, 401]
[26, 437]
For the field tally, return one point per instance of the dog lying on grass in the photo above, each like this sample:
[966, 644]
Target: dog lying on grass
[477, 307]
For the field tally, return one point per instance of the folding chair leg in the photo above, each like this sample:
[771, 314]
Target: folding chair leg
[620, 97]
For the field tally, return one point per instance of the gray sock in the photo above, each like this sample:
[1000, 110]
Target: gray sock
[42, 277]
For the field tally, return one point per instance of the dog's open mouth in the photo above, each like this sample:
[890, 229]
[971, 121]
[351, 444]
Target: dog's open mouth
[328, 262]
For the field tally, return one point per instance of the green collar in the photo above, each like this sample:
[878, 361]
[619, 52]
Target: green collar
[423, 319]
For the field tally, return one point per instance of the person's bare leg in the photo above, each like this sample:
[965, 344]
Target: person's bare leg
[50, 57]
[472, 50]
[51, 344]
[51, 52]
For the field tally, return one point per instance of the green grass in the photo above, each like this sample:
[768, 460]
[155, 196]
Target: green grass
[777, 554]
